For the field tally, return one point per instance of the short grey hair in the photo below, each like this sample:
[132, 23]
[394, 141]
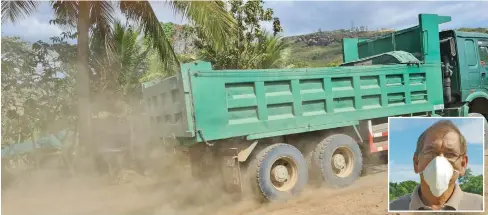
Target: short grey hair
[442, 126]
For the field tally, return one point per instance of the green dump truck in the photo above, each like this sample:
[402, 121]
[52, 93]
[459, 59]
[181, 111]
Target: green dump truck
[272, 130]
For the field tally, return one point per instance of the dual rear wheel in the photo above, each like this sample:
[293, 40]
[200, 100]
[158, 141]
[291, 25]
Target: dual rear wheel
[277, 172]
[280, 171]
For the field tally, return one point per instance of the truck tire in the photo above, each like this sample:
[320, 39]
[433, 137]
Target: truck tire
[338, 159]
[486, 126]
[278, 172]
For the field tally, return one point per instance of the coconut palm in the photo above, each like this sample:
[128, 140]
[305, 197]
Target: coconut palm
[272, 52]
[268, 52]
[117, 78]
[97, 17]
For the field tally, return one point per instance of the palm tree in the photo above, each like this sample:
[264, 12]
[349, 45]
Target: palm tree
[269, 52]
[117, 78]
[98, 16]
[272, 52]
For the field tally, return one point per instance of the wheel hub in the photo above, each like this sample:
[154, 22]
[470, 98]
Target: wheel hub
[339, 161]
[280, 173]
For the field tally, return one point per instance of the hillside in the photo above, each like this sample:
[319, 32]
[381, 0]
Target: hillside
[325, 48]
[318, 49]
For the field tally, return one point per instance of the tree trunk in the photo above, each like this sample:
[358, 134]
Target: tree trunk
[82, 78]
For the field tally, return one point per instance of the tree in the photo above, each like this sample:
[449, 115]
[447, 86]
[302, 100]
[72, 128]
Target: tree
[17, 70]
[468, 183]
[400, 189]
[271, 52]
[116, 78]
[156, 70]
[96, 17]
[471, 183]
[251, 47]
[37, 83]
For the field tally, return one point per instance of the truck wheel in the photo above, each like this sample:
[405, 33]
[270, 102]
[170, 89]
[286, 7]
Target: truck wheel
[338, 157]
[278, 172]
[486, 126]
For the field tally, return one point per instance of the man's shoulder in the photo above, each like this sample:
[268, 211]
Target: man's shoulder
[472, 195]
[472, 201]
[400, 204]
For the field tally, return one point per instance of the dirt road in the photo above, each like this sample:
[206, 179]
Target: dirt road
[368, 195]
[181, 197]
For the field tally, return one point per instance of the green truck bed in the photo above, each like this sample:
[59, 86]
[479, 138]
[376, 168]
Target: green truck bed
[208, 104]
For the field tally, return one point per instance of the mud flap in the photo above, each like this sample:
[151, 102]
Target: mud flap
[230, 168]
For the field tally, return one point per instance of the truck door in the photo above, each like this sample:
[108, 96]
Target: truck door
[483, 54]
[471, 65]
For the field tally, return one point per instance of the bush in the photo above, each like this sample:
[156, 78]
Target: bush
[468, 183]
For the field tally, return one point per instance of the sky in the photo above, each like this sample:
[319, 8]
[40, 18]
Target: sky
[404, 132]
[302, 17]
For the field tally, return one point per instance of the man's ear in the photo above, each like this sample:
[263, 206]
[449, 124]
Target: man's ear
[415, 156]
[464, 165]
[415, 164]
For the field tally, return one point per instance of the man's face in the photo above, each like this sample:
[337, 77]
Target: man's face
[447, 145]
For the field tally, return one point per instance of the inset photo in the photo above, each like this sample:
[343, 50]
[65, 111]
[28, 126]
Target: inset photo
[436, 164]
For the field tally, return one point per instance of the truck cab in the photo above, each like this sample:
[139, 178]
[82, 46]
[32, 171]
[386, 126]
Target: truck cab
[464, 57]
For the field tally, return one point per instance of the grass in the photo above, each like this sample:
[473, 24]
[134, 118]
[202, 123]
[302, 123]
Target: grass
[316, 56]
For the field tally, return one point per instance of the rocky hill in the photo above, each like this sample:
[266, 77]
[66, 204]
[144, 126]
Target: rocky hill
[324, 48]
[325, 38]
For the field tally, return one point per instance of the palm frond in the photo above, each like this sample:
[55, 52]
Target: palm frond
[66, 13]
[275, 51]
[143, 14]
[101, 18]
[15, 10]
[215, 21]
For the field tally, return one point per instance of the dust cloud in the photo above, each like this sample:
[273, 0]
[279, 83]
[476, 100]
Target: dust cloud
[167, 190]
[166, 187]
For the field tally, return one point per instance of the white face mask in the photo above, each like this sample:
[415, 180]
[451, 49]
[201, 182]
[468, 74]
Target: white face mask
[437, 175]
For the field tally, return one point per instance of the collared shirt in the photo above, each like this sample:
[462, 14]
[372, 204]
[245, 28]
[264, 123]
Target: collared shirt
[459, 200]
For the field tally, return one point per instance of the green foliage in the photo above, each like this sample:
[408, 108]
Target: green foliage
[251, 47]
[155, 69]
[188, 30]
[468, 183]
[14, 11]
[187, 58]
[316, 56]
[400, 189]
[297, 63]
[168, 29]
[334, 63]
[116, 77]
[324, 48]
[211, 17]
[479, 30]
[37, 87]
